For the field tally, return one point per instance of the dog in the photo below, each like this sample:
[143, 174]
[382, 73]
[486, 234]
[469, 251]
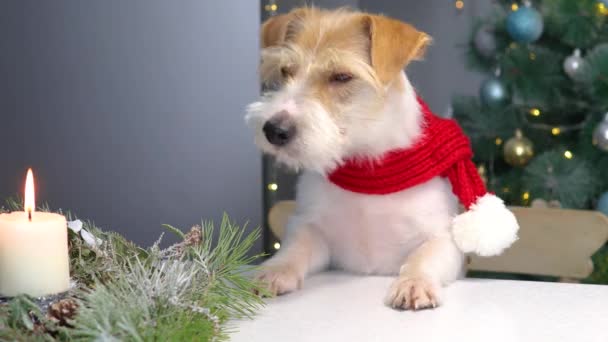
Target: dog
[340, 95]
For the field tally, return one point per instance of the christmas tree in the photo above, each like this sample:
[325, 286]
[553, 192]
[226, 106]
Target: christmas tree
[539, 126]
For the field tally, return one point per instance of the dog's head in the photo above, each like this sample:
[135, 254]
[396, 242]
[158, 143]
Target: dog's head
[331, 73]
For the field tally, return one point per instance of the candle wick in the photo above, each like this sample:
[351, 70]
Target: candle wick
[29, 215]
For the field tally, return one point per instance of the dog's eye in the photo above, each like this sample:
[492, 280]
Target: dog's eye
[340, 77]
[286, 72]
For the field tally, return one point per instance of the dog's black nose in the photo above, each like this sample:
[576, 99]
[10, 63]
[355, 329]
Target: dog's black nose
[279, 130]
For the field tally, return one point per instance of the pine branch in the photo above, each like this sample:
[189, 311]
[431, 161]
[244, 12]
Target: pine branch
[534, 74]
[576, 24]
[550, 176]
[483, 125]
[596, 72]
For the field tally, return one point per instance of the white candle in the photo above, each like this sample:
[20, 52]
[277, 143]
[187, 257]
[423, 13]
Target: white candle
[33, 250]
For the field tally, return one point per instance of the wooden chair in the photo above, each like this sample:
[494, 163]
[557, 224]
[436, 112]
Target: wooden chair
[552, 242]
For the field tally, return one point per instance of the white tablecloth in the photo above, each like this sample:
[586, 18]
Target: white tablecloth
[341, 307]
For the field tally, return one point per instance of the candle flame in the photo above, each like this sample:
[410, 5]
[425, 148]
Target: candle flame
[30, 195]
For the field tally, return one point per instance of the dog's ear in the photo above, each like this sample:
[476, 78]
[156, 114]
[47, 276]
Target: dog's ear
[274, 29]
[393, 45]
[280, 28]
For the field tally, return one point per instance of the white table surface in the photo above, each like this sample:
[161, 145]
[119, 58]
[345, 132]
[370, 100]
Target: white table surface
[340, 307]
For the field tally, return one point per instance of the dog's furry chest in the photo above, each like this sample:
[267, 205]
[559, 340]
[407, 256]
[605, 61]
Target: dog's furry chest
[374, 233]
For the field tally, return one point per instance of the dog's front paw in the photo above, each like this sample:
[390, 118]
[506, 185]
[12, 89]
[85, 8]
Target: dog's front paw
[412, 294]
[279, 279]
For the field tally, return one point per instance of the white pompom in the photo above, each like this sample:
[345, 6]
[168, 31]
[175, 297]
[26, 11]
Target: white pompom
[486, 229]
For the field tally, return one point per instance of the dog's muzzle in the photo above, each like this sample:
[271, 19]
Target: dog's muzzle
[280, 129]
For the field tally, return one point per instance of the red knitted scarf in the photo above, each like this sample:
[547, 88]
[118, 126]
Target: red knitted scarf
[442, 150]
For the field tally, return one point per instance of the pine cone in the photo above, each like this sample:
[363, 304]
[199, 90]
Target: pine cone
[194, 236]
[62, 311]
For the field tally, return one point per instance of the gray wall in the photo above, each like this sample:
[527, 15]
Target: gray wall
[131, 112]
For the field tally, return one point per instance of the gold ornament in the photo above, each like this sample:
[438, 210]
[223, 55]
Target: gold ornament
[602, 8]
[518, 150]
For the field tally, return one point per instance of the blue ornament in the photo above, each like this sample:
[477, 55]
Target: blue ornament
[485, 41]
[525, 25]
[494, 93]
[602, 203]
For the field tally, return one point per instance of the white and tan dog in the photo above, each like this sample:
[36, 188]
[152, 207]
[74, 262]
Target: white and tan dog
[342, 93]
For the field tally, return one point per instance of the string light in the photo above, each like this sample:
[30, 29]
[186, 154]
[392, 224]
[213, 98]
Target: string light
[271, 7]
[525, 196]
[535, 112]
[459, 4]
[553, 129]
[532, 56]
[498, 141]
[506, 190]
[514, 7]
[270, 169]
[568, 154]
